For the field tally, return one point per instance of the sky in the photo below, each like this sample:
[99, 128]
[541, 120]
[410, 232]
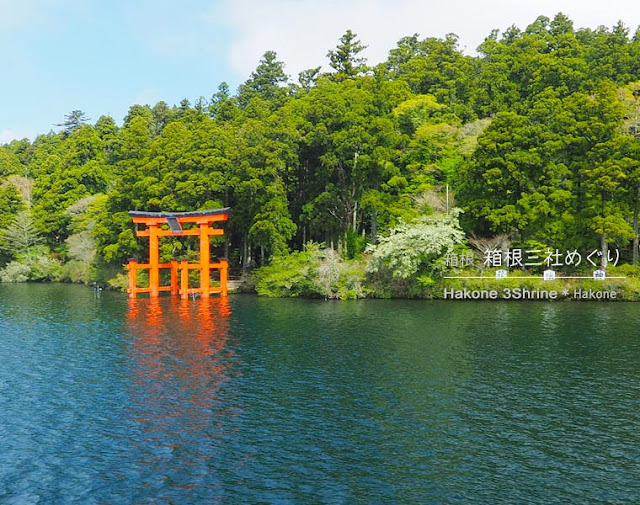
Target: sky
[102, 56]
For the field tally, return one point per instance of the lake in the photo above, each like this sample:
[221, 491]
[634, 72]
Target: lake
[106, 400]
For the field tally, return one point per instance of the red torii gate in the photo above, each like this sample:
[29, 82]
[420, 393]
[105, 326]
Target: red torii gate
[201, 219]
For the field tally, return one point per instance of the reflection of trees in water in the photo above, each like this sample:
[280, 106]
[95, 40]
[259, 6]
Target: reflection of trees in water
[180, 408]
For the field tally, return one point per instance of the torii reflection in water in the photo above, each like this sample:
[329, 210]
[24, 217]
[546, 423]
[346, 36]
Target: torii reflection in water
[182, 393]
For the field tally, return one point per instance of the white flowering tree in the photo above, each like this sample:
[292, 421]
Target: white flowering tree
[410, 247]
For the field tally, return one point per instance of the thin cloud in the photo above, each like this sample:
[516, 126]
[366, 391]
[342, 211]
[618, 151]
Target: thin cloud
[25, 15]
[149, 96]
[174, 30]
[303, 31]
[8, 135]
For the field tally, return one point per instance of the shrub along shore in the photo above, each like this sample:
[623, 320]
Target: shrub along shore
[318, 273]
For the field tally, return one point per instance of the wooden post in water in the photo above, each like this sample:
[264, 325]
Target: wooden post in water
[184, 279]
[224, 275]
[154, 261]
[133, 278]
[174, 277]
[204, 260]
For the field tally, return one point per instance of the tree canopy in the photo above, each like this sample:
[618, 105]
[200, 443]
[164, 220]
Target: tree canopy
[536, 137]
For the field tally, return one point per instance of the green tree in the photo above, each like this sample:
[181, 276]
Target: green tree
[162, 116]
[265, 82]
[344, 59]
[223, 106]
[605, 208]
[11, 203]
[113, 230]
[630, 164]
[20, 235]
[437, 67]
[416, 247]
[308, 78]
[80, 172]
[72, 121]
[9, 163]
[272, 226]
[347, 145]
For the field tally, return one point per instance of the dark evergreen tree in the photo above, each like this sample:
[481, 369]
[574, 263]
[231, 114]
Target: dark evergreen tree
[72, 121]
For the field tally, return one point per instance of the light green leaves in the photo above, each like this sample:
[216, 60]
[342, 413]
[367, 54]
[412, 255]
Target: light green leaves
[410, 248]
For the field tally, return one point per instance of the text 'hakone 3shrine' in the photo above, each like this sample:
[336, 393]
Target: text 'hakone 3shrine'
[179, 224]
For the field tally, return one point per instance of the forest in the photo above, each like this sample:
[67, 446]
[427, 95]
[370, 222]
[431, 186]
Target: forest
[358, 181]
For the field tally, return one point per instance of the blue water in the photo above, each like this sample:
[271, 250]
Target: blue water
[104, 400]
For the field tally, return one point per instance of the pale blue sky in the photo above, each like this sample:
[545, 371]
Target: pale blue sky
[104, 56]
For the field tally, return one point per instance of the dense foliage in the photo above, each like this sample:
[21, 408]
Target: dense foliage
[536, 137]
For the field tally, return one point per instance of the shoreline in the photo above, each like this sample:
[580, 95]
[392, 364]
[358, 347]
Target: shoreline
[485, 289]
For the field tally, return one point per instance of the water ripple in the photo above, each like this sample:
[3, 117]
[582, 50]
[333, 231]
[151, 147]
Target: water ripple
[286, 401]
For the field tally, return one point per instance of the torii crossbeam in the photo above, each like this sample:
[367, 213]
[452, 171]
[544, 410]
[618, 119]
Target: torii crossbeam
[172, 224]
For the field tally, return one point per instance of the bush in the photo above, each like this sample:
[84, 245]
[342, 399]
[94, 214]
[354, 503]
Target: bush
[34, 265]
[625, 270]
[120, 281]
[77, 271]
[354, 244]
[15, 272]
[290, 275]
[312, 273]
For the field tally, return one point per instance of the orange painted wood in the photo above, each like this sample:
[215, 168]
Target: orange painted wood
[185, 233]
[174, 277]
[189, 219]
[154, 263]
[148, 290]
[132, 265]
[145, 266]
[224, 268]
[184, 280]
[205, 259]
[156, 228]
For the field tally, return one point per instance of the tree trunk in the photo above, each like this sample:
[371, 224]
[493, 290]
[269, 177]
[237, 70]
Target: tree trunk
[374, 226]
[246, 262]
[635, 234]
[604, 247]
[245, 255]
[355, 215]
